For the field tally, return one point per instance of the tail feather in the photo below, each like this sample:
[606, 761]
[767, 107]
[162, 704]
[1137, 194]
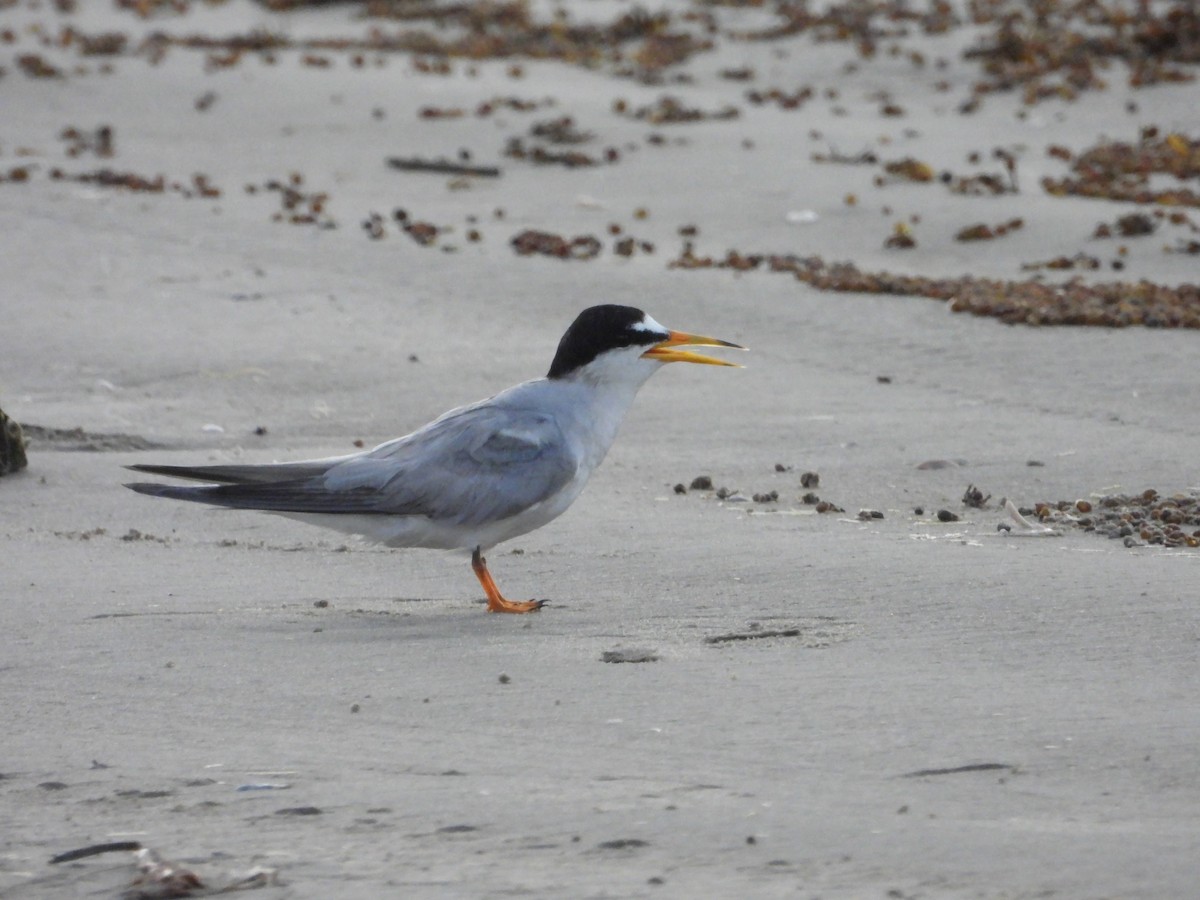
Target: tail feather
[299, 487]
[300, 496]
[173, 491]
[244, 474]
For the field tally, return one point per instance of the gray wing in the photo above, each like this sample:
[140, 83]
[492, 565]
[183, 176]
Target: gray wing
[478, 464]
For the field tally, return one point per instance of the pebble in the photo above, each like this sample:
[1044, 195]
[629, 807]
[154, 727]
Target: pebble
[1149, 518]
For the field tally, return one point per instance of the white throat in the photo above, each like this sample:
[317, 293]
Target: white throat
[604, 390]
[619, 371]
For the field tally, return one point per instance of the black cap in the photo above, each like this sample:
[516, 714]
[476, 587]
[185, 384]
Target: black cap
[599, 329]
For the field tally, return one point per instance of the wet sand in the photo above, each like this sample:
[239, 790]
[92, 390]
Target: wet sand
[724, 697]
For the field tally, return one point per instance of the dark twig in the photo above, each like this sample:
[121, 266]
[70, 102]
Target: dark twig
[957, 770]
[441, 167]
[95, 850]
[751, 635]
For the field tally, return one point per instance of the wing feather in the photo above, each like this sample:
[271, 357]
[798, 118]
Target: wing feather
[478, 464]
[243, 474]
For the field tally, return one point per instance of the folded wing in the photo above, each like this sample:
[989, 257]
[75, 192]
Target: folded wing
[476, 465]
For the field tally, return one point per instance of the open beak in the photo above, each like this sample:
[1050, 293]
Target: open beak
[667, 351]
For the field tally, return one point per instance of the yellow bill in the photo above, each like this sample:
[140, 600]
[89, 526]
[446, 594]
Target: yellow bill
[668, 350]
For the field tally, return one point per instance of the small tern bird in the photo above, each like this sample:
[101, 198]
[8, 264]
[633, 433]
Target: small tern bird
[480, 474]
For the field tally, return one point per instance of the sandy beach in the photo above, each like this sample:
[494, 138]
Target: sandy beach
[208, 258]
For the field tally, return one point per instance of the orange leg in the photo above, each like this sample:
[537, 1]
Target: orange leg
[496, 601]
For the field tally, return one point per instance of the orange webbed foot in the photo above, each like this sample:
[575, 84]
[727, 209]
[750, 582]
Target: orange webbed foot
[496, 601]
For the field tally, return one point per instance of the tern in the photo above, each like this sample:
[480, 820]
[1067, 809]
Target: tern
[480, 474]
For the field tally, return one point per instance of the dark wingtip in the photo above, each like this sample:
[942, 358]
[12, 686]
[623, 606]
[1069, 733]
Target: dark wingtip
[150, 469]
[174, 491]
[143, 487]
[219, 474]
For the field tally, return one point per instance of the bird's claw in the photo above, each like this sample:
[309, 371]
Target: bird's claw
[500, 605]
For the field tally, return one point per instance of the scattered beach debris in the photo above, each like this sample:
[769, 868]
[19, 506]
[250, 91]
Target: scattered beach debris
[785, 100]
[77, 439]
[425, 234]
[545, 243]
[983, 232]
[901, 237]
[158, 878]
[1056, 53]
[1146, 519]
[441, 166]
[94, 850]
[814, 633]
[1024, 526]
[932, 465]
[862, 158]
[668, 110]
[35, 65]
[516, 148]
[975, 498]
[12, 446]
[1030, 302]
[1130, 225]
[623, 844]
[298, 206]
[1191, 248]
[752, 635]
[629, 655]
[985, 184]
[1116, 170]
[560, 130]
[98, 141]
[909, 169]
[961, 770]
[1083, 261]
[200, 185]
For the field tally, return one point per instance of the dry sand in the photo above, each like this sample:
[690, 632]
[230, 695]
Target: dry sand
[159, 656]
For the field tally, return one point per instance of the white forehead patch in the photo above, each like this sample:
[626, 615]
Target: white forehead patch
[649, 324]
